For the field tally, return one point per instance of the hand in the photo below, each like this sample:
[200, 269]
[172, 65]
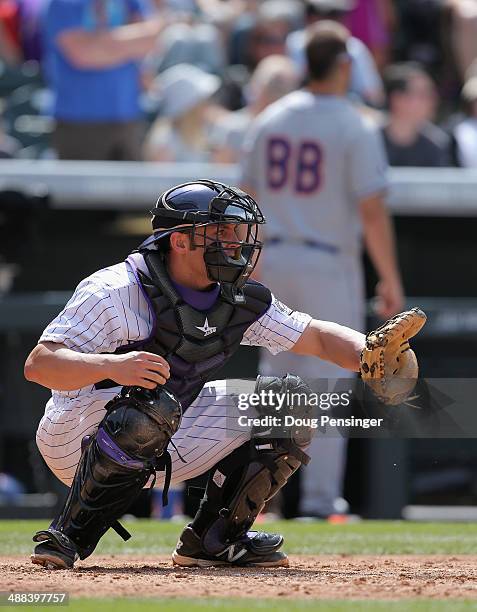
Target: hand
[155, 24]
[390, 298]
[139, 369]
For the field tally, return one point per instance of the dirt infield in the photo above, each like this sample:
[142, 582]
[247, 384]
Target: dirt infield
[323, 577]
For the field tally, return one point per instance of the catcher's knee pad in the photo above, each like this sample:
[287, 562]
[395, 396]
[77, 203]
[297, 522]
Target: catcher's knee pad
[142, 422]
[117, 462]
[287, 396]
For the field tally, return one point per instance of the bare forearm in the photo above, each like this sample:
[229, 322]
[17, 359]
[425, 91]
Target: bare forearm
[95, 50]
[64, 370]
[341, 345]
[380, 242]
[57, 367]
[332, 342]
[136, 39]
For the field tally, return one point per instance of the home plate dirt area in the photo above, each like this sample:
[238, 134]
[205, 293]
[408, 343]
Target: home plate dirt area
[308, 577]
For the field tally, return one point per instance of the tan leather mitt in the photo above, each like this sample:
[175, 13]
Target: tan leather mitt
[388, 364]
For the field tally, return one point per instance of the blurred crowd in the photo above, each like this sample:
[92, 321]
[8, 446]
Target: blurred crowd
[181, 80]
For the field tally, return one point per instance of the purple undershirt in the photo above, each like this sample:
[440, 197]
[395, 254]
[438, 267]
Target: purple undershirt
[200, 300]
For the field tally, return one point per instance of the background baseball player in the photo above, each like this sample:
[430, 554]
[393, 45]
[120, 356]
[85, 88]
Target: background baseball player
[141, 336]
[318, 169]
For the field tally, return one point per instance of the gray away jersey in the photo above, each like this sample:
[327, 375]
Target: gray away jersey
[310, 159]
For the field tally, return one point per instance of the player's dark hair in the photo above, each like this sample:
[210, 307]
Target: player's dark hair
[398, 76]
[164, 244]
[326, 41]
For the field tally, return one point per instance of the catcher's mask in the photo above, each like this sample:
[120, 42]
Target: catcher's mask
[222, 220]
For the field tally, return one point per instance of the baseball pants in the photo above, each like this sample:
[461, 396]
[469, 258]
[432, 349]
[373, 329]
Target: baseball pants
[209, 430]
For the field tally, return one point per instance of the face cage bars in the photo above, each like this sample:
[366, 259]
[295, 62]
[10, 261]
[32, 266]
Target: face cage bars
[228, 209]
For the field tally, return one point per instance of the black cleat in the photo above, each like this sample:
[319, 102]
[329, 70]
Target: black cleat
[256, 549]
[55, 550]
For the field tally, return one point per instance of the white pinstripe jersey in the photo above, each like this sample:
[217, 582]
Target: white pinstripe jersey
[108, 310]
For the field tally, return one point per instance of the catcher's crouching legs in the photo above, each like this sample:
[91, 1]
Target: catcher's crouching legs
[117, 462]
[236, 492]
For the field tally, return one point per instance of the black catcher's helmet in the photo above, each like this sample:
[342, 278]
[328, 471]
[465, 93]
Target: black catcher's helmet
[191, 207]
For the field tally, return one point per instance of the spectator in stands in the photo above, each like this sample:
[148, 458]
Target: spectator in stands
[365, 81]
[225, 13]
[181, 133]
[409, 136]
[463, 32]
[273, 22]
[189, 43]
[10, 47]
[424, 36]
[238, 33]
[30, 27]
[92, 49]
[465, 133]
[372, 21]
[190, 38]
[274, 77]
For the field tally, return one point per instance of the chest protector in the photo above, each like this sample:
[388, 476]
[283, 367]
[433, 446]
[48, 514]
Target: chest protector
[195, 343]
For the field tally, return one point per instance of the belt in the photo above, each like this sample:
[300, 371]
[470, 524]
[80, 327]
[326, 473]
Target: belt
[312, 244]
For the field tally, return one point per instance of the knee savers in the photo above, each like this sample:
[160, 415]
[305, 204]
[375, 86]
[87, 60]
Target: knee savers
[142, 422]
[291, 395]
[117, 462]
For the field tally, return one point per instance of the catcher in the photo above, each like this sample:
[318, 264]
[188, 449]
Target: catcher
[129, 360]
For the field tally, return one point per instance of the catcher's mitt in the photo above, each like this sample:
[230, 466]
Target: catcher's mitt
[388, 364]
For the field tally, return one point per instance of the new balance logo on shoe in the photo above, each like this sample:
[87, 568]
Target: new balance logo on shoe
[231, 554]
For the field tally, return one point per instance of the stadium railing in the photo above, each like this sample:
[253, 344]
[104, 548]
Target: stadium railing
[134, 185]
